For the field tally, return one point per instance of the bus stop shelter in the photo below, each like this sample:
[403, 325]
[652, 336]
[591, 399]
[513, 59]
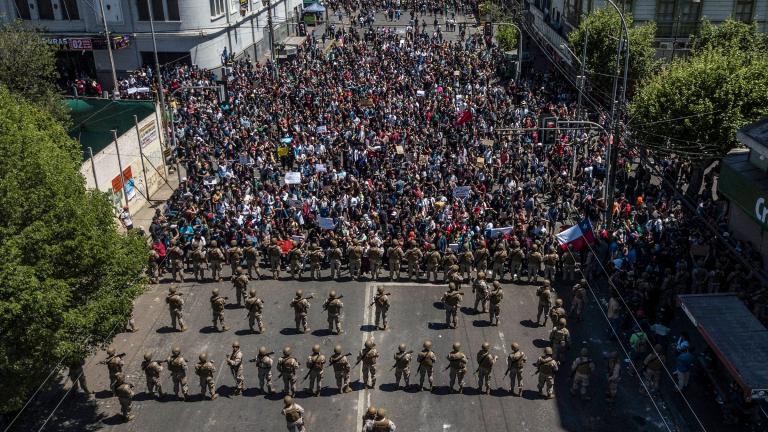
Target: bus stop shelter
[737, 338]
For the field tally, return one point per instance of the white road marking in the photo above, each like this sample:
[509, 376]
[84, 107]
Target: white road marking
[361, 395]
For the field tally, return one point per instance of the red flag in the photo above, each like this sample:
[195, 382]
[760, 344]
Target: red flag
[463, 118]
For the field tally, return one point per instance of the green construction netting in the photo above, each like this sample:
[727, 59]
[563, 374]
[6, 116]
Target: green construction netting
[94, 119]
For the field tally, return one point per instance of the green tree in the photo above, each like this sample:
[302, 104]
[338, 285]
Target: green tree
[694, 106]
[28, 68]
[601, 30]
[506, 36]
[490, 9]
[68, 276]
[729, 34]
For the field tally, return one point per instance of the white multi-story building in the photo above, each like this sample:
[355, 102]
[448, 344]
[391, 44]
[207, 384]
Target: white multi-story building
[675, 20]
[190, 31]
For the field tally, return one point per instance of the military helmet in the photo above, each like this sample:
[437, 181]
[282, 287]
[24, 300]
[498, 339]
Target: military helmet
[456, 346]
[235, 344]
[147, 356]
[481, 275]
[176, 350]
[252, 292]
[454, 268]
[287, 401]
[233, 243]
[337, 349]
[413, 243]
[548, 350]
[449, 251]
[262, 350]
[215, 291]
[515, 346]
[451, 286]
[332, 295]
[299, 293]
[546, 282]
[172, 290]
[381, 413]
[111, 351]
[380, 290]
[559, 302]
[120, 378]
[427, 344]
[497, 284]
[203, 357]
[371, 411]
[214, 243]
[334, 243]
[583, 281]
[369, 343]
[316, 349]
[287, 351]
[401, 347]
[562, 322]
[486, 346]
[584, 351]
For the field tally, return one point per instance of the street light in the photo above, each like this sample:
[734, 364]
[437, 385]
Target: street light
[268, 5]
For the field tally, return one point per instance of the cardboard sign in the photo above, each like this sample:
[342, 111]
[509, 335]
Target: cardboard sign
[461, 192]
[480, 160]
[292, 177]
[282, 151]
[326, 223]
[320, 168]
[399, 149]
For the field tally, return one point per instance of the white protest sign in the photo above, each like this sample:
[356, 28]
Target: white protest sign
[292, 177]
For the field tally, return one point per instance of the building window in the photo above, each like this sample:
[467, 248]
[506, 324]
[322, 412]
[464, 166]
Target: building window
[217, 7]
[22, 9]
[677, 18]
[69, 10]
[45, 9]
[742, 10]
[158, 10]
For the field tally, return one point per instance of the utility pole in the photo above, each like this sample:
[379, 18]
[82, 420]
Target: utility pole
[268, 5]
[115, 90]
[160, 92]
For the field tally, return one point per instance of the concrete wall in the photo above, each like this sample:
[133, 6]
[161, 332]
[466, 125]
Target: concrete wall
[746, 229]
[107, 167]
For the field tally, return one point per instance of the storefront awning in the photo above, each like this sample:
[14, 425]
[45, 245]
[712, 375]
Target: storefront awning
[738, 339]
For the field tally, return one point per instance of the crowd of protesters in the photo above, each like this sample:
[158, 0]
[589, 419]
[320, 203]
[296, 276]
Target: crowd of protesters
[406, 138]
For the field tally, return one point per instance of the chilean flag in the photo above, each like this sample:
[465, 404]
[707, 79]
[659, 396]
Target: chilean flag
[465, 116]
[578, 236]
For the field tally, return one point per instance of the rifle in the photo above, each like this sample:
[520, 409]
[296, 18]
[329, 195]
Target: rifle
[332, 362]
[325, 305]
[265, 355]
[374, 300]
[403, 355]
[116, 355]
[506, 372]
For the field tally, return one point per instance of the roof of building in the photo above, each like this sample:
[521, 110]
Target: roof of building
[94, 119]
[755, 136]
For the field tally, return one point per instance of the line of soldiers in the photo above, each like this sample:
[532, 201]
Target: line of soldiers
[501, 259]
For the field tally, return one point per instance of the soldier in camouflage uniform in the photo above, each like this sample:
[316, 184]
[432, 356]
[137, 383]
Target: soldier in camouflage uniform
[334, 258]
[264, 366]
[375, 253]
[481, 257]
[499, 259]
[355, 257]
[560, 338]
[77, 376]
[205, 370]
[395, 258]
[341, 369]
[582, 368]
[457, 365]
[235, 257]
[198, 257]
[294, 415]
[515, 362]
[124, 393]
[426, 360]
[545, 302]
[433, 263]
[333, 306]
[413, 257]
[485, 362]
[240, 283]
[275, 254]
[466, 262]
[296, 261]
[300, 307]
[381, 305]
[569, 264]
[235, 363]
[516, 257]
[175, 305]
[252, 261]
[402, 366]
[316, 365]
[579, 299]
[494, 309]
[216, 257]
[480, 288]
[114, 364]
[546, 368]
[316, 256]
[550, 265]
[287, 365]
[451, 300]
[178, 368]
[153, 269]
[557, 311]
[255, 307]
[152, 370]
[176, 255]
[449, 260]
[369, 356]
[534, 264]
[217, 309]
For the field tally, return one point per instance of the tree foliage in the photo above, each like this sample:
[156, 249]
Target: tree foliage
[603, 28]
[694, 106]
[490, 9]
[28, 68]
[68, 276]
[506, 36]
[729, 35]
